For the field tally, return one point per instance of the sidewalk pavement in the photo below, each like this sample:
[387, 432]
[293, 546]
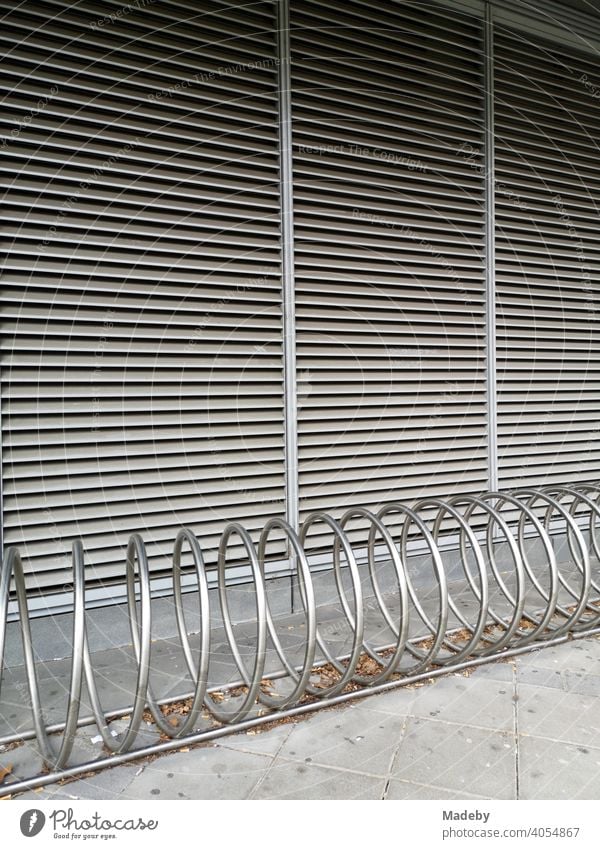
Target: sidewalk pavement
[524, 728]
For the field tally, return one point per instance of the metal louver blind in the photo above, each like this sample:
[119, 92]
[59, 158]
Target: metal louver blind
[387, 108]
[141, 287]
[568, 22]
[548, 261]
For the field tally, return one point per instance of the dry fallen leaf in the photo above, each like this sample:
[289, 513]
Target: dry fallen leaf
[217, 696]
[5, 771]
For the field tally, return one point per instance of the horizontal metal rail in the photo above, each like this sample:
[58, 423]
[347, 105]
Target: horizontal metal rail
[515, 606]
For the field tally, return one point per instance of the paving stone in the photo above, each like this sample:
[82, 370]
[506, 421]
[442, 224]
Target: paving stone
[566, 717]
[264, 742]
[26, 762]
[462, 758]
[541, 676]
[288, 780]
[580, 682]
[147, 735]
[209, 772]
[397, 701]
[576, 655]
[352, 737]
[409, 790]
[495, 670]
[550, 770]
[16, 705]
[42, 793]
[107, 784]
[468, 701]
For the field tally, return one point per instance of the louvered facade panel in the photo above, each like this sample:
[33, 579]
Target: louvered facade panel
[387, 112]
[547, 261]
[141, 318]
[568, 23]
[147, 352]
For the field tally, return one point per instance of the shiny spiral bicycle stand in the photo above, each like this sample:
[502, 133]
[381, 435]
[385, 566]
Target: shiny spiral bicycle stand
[418, 591]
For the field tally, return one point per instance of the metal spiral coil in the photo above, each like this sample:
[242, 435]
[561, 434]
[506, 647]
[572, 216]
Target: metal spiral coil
[514, 606]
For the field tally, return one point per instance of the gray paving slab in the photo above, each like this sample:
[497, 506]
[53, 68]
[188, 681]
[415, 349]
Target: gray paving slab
[467, 700]
[16, 704]
[42, 793]
[541, 676]
[209, 772]
[397, 701]
[287, 780]
[580, 682]
[499, 670]
[23, 761]
[147, 735]
[261, 742]
[577, 655]
[352, 737]
[458, 758]
[398, 789]
[26, 762]
[108, 784]
[566, 717]
[550, 770]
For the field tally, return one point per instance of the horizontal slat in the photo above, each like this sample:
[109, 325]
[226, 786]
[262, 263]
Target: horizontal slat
[388, 251]
[547, 157]
[142, 347]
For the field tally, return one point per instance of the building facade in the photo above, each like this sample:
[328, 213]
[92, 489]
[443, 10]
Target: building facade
[268, 258]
